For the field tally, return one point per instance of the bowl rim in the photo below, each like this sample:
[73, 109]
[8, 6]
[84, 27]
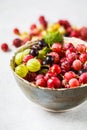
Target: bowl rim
[30, 43]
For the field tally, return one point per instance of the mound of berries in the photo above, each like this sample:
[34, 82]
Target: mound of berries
[50, 63]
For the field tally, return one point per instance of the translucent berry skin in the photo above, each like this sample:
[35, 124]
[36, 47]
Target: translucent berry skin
[54, 82]
[68, 46]
[56, 47]
[39, 76]
[73, 83]
[55, 69]
[48, 75]
[83, 78]
[77, 65]
[69, 75]
[41, 82]
[21, 70]
[83, 57]
[71, 57]
[81, 48]
[33, 65]
[83, 33]
[65, 66]
[4, 47]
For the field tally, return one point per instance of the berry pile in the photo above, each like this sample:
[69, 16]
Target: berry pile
[40, 30]
[53, 65]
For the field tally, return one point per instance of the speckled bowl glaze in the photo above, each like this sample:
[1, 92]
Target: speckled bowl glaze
[55, 100]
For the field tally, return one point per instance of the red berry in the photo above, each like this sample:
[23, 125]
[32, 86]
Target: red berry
[50, 83]
[55, 56]
[68, 46]
[75, 33]
[27, 57]
[41, 82]
[71, 57]
[42, 21]
[81, 48]
[73, 83]
[16, 31]
[17, 42]
[33, 26]
[69, 75]
[30, 76]
[83, 78]
[67, 86]
[64, 23]
[56, 47]
[48, 75]
[39, 76]
[83, 33]
[65, 66]
[83, 57]
[55, 69]
[4, 47]
[77, 65]
[54, 82]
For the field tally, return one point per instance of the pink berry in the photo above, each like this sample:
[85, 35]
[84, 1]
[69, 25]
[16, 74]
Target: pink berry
[55, 69]
[27, 57]
[39, 76]
[73, 83]
[83, 78]
[71, 57]
[81, 48]
[69, 75]
[65, 66]
[48, 75]
[41, 82]
[54, 82]
[55, 56]
[83, 57]
[83, 33]
[77, 65]
[68, 46]
[17, 42]
[4, 47]
[56, 47]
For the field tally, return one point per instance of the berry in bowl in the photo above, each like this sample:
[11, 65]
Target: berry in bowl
[52, 72]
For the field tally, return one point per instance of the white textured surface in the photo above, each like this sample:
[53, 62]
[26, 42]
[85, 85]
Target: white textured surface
[16, 112]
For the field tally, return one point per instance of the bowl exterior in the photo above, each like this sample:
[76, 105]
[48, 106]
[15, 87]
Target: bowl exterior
[53, 100]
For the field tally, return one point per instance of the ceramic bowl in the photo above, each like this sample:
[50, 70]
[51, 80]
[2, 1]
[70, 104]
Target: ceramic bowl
[55, 100]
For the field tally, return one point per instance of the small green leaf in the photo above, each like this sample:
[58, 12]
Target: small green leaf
[52, 37]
